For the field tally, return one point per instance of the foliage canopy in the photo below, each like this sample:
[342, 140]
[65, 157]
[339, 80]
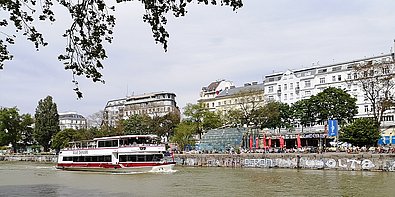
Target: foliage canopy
[92, 25]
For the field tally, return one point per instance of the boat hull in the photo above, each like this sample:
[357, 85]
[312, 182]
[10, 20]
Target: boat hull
[117, 168]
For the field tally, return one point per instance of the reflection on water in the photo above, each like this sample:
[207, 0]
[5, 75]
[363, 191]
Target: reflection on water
[34, 179]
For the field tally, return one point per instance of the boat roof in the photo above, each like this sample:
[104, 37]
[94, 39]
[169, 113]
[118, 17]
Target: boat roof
[125, 136]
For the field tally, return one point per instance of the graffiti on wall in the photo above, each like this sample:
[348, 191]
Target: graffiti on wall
[353, 164]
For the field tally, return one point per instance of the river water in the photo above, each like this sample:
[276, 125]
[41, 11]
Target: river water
[35, 179]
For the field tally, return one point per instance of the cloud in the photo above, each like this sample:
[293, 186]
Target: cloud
[209, 43]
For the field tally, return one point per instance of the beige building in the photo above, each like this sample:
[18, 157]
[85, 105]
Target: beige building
[249, 96]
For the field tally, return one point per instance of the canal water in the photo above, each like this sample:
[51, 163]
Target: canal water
[35, 179]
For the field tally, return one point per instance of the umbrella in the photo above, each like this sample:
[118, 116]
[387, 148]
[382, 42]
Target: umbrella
[281, 142]
[299, 143]
[251, 142]
[264, 141]
[256, 143]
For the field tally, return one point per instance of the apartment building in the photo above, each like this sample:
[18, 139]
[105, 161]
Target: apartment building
[71, 120]
[151, 104]
[294, 85]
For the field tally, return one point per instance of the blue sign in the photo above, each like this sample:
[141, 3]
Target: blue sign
[332, 127]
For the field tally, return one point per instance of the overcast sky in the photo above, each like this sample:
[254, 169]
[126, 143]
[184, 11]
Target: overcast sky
[209, 43]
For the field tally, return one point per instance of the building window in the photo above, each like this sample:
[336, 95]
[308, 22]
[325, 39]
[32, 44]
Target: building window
[271, 98]
[307, 93]
[270, 88]
[307, 84]
[285, 96]
[349, 76]
[366, 108]
[291, 96]
[322, 80]
[285, 87]
[355, 75]
[333, 78]
[291, 86]
[339, 77]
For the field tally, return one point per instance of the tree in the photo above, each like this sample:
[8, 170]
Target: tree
[92, 25]
[250, 101]
[62, 138]
[96, 119]
[234, 118]
[183, 134]
[10, 127]
[164, 126]
[211, 120]
[276, 115]
[137, 125]
[26, 130]
[334, 103]
[362, 132]
[46, 122]
[376, 79]
[194, 113]
[304, 112]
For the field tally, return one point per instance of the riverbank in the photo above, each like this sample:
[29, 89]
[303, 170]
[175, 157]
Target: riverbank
[32, 158]
[334, 161]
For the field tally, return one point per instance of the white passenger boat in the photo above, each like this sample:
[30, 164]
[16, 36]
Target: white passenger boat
[128, 153]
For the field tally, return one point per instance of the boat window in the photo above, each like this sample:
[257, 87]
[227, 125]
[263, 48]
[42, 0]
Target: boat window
[157, 157]
[67, 158]
[104, 158]
[140, 158]
[107, 158]
[111, 143]
[132, 158]
[123, 158]
[149, 157]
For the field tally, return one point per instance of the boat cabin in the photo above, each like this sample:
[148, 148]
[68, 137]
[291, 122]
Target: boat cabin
[116, 142]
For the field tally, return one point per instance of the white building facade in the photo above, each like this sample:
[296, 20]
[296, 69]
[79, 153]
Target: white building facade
[294, 85]
[72, 120]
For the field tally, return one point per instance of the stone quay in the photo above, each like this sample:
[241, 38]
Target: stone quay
[325, 161]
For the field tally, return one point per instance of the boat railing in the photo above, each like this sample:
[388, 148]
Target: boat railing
[121, 146]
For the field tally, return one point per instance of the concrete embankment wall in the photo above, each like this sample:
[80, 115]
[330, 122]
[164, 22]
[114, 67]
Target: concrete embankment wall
[335, 161]
[34, 158]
